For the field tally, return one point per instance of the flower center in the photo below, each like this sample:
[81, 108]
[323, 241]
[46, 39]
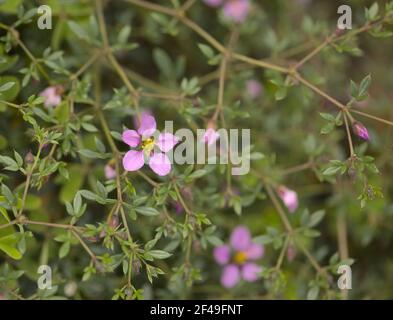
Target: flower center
[240, 257]
[148, 145]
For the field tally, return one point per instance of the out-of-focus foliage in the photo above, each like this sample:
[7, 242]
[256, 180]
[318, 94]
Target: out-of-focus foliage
[137, 235]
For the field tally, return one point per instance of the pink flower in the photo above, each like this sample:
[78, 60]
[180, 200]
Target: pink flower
[289, 197]
[52, 96]
[210, 136]
[213, 3]
[254, 88]
[236, 258]
[110, 172]
[237, 10]
[291, 253]
[360, 130]
[146, 145]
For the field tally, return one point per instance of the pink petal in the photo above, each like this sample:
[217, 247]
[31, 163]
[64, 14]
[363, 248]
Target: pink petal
[230, 276]
[222, 254]
[148, 125]
[210, 136]
[131, 137]
[291, 253]
[137, 120]
[236, 10]
[240, 238]
[289, 197]
[361, 131]
[110, 172]
[133, 160]
[254, 88]
[160, 164]
[255, 251]
[251, 271]
[166, 141]
[52, 98]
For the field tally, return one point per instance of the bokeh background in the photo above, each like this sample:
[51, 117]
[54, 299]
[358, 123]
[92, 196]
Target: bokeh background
[285, 133]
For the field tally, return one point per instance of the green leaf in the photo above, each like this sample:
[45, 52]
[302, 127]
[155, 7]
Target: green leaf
[4, 214]
[9, 163]
[159, 254]
[64, 249]
[264, 239]
[91, 154]
[62, 112]
[327, 116]
[372, 12]
[197, 174]
[6, 86]
[8, 245]
[124, 34]
[364, 85]
[316, 218]
[89, 127]
[147, 211]
[12, 92]
[206, 50]
[331, 171]
[313, 293]
[78, 30]
[354, 89]
[6, 192]
[281, 93]
[164, 63]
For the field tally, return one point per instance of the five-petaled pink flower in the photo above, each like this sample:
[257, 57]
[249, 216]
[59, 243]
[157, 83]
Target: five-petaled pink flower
[154, 149]
[236, 10]
[289, 197]
[237, 258]
[52, 96]
[361, 131]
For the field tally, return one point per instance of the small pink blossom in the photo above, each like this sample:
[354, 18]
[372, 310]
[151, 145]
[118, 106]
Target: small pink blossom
[236, 258]
[254, 88]
[110, 172]
[52, 96]
[148, 146]
[361, 131]
[289, 197]
[235, 10]
[291, 253]
[210, 136]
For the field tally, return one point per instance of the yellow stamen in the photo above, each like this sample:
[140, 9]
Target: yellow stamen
[240, 257]
[148, 144]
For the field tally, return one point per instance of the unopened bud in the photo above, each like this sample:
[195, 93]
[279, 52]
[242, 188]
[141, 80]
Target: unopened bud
[360, 130]
[114, 221]
[29, 158]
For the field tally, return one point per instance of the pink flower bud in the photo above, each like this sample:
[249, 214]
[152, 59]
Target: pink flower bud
[210, 136]
[52, 96]
[360, 130]
[291, 253]
[237, 10]
[110, 172]
[289, 197]
[254, 89]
